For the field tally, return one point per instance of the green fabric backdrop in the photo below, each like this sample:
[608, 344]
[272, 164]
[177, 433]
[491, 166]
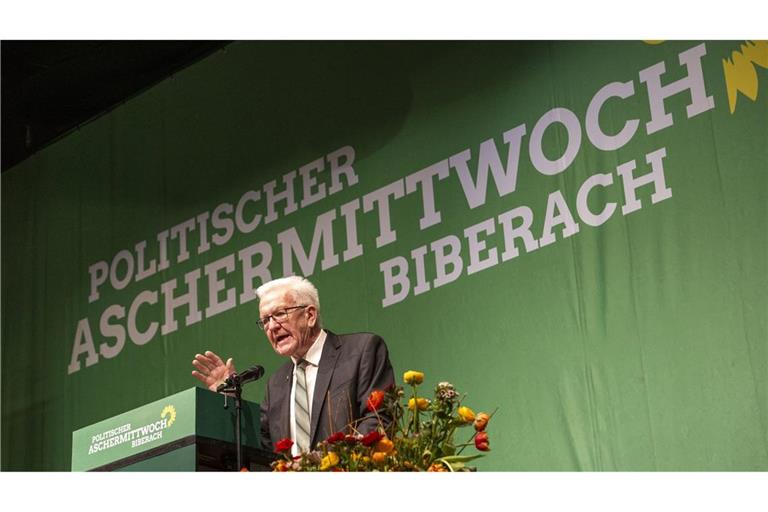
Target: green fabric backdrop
[639, 343]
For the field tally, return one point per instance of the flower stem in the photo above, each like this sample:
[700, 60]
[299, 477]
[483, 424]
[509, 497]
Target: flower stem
[468, 443]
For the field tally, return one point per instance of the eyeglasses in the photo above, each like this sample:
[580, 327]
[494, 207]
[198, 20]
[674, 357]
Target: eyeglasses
[278, 316]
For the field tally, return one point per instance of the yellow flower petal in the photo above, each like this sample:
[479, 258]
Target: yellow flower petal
[413, 377]
[422, 403]
[466, 414]
[329, 461]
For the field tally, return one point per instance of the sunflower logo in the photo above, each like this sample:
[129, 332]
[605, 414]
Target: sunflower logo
[169, 410]
[741, 71]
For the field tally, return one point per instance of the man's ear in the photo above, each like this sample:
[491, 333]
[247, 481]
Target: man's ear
[312, 315]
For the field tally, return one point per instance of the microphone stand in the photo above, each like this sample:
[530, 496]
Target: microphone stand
[238, 414]
[234, 385]
[236, 388]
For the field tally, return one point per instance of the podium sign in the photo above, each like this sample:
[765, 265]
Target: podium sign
[172, 424]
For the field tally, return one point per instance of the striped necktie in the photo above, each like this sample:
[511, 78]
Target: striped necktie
[301, 408]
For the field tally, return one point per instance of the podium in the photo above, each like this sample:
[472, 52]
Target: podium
[188, 431]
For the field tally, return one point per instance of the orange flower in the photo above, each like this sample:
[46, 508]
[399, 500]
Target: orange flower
[482, 442]
[481, 420]
[385, 446]
[422, 403]
[375, 400]
[437, 467]
[379, 457]
[413, 377]
[466, 414]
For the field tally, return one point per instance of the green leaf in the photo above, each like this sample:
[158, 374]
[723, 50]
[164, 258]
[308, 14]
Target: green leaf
[461, 459]
[456, 466]
[456, 462]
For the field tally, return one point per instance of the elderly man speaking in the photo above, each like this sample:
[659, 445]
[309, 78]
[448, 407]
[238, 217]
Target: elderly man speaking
[324, 387]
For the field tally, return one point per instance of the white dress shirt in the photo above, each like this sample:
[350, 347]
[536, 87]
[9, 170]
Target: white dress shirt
[313, 358]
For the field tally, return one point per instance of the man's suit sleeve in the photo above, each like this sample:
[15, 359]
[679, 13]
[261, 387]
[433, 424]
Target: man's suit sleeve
[375, 372]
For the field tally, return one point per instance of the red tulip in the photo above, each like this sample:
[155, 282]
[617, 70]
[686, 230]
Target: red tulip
[375, 400]
[372, 438]
[335, 438]
[283, 445]
[481, 441]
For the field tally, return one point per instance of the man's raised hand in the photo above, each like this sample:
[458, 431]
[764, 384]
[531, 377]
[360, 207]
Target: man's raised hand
[211, 370]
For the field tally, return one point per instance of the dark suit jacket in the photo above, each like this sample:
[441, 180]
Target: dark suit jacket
[351, 366]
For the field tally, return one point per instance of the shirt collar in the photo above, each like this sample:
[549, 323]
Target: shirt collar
[315, 351]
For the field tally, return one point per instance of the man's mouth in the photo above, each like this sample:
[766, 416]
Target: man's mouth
[281, 337]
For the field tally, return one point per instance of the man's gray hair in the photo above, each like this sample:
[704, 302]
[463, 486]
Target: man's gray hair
[303, 292]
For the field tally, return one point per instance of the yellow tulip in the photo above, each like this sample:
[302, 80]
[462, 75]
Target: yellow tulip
[329, 461]
[413, 377]
[466, 414]
[422, 403]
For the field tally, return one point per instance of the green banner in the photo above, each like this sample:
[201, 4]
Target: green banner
[575, 233]
[134, 432]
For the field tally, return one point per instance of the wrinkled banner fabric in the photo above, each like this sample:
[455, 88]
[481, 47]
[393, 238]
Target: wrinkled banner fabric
[572, 233]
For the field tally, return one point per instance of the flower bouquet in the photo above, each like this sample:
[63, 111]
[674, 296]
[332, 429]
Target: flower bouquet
[413, 435]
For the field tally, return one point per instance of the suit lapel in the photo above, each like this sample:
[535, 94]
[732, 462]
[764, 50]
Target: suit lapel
[324, 373]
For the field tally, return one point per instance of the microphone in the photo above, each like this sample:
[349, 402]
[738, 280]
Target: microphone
[253, 373]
